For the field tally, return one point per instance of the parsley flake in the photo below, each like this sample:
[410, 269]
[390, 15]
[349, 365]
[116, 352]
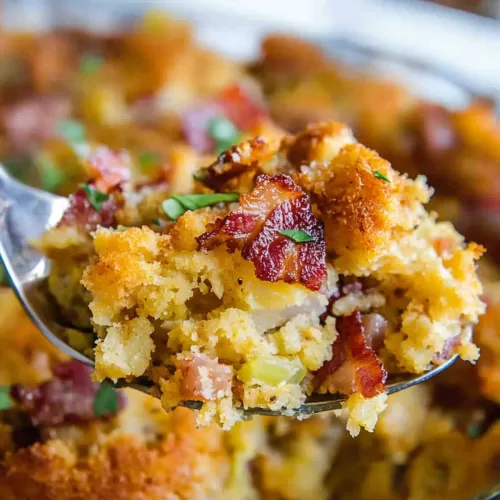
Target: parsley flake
[296, 235]
[5, 400]
[96, 198]
[224, 133]
[177, 205]
[380, 175]
[72, 131]
[106, 400]
[91, 63]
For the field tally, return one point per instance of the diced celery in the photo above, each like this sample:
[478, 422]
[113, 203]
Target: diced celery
[272, 370]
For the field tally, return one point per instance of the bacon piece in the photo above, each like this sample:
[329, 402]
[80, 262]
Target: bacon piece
[354, 366]
[276, 203]
[236, 169]
[81, 213]
[108, 169]
[68, 397]
[204, 378]
[234, 103]
[33, 120]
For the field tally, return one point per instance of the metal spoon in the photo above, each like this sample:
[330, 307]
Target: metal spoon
[25, 213]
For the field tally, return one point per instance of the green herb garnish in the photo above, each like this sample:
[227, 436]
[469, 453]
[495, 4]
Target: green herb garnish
[105, 400]
[5, 401]
[296, 235]
[380, 175]
[72, 131]
[175, 206]
[157, 222]
[51, 177]
[96, 198]
[121, 228]
[91, 63]
[224, 133]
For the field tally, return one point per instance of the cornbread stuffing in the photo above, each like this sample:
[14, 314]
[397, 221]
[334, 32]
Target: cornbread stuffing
[321, 273]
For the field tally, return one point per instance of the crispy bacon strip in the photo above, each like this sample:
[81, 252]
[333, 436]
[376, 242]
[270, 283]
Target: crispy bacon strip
[234, 103]
[276, 203]
[354, 366]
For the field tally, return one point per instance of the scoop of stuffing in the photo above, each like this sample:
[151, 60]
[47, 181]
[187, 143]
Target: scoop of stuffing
[295, 266]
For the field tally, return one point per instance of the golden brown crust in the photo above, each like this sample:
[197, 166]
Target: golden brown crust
[187, 463]
[360, 209]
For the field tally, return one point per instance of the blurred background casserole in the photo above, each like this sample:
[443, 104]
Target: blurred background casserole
[417, 82]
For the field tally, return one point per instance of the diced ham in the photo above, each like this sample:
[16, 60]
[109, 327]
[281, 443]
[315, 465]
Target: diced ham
[354, 366]
[275, 204]
[375, 326]
[68, 397]
[33, 120]
[204, 378]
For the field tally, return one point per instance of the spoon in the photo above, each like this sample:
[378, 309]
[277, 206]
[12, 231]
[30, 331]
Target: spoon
[25, 214]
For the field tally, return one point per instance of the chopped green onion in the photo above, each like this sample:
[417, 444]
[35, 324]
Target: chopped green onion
[96, 198]
[224, 133]
[121, 228]
[106, 400]
[172, 208]
[177, 205]
[380, 175]
[72, 131]
[91, 63]
[5, 400]
[296, 235]
[272, 370]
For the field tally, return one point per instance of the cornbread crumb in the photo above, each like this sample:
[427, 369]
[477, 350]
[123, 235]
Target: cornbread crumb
[364, 412]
